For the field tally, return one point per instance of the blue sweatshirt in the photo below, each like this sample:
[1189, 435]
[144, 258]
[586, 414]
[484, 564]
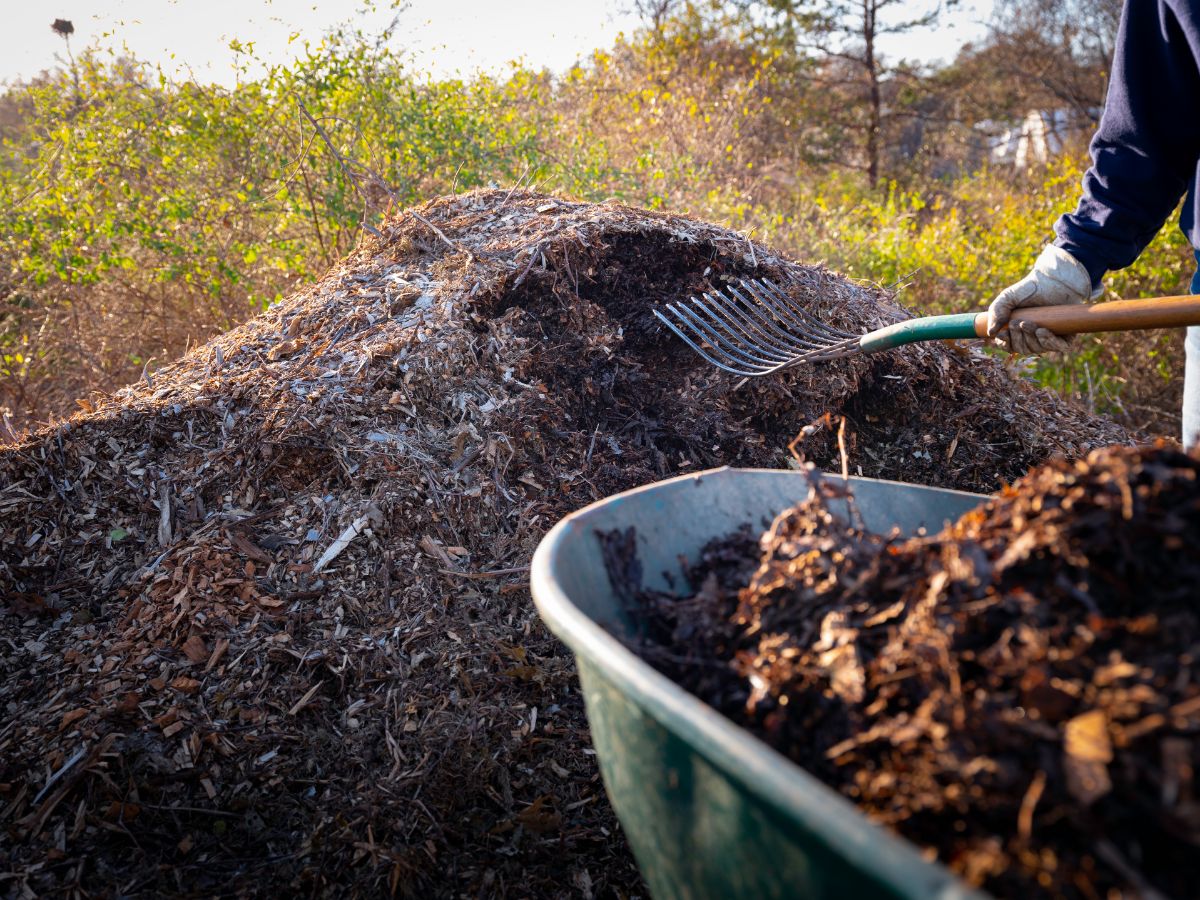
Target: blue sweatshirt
[1146, 152]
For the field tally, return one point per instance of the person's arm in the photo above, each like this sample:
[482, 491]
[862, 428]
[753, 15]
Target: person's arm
[1145, 151]
[1144, 155]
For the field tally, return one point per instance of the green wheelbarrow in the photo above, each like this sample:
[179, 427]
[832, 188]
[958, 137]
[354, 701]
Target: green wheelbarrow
[709, 810]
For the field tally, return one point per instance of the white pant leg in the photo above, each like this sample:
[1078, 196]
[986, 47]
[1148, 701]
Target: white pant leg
[1191, 389]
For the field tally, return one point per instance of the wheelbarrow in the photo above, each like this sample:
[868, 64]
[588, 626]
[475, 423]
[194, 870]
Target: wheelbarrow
[709, 810]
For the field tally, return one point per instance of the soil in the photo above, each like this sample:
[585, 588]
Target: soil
[1018, 694]
[265, 613]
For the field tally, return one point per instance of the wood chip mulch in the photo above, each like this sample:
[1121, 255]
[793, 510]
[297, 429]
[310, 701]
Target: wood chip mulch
[264, 615]
[1018, 694]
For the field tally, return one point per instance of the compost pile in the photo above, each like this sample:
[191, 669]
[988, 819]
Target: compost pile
[1019, 693]
[264, 614]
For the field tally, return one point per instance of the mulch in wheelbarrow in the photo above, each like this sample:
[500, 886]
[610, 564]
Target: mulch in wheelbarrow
[1019, 694]
[264, 615]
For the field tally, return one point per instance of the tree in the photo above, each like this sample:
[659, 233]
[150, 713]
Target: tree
[1058, 51]
[655, 13]
[844, 36]
[1047, 57]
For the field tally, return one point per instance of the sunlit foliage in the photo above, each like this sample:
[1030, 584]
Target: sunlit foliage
[140, 214]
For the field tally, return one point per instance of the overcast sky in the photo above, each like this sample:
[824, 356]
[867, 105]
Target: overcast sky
[447, 36]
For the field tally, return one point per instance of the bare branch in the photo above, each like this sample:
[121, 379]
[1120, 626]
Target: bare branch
[347, 163]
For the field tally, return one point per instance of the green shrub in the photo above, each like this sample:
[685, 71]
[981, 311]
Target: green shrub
[138, 215]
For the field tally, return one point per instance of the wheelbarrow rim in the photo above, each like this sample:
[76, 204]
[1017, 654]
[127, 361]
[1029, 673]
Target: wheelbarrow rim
[771, 777]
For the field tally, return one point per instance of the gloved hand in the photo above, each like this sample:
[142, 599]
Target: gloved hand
[1057, 278]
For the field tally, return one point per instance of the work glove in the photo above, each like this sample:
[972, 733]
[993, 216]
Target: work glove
[1057, 278]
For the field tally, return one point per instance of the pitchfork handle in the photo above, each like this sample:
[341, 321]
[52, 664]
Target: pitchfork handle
[1116, 315]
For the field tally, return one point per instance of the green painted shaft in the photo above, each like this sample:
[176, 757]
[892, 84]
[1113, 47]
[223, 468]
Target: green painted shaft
[929, 328]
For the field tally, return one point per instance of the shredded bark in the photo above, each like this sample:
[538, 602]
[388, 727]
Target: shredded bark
[265, 613]
[1018, 693]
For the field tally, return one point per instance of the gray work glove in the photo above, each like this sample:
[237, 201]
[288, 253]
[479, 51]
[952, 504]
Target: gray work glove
[1057, 278]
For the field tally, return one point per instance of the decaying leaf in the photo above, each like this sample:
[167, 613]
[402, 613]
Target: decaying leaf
[1087, 751]
[185, 684]
[539, 817]
[72, 716]
[195, 649]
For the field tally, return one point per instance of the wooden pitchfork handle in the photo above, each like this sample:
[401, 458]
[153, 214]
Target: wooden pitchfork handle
[1117, 315]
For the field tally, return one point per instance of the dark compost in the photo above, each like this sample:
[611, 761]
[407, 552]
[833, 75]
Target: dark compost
[1018, 694]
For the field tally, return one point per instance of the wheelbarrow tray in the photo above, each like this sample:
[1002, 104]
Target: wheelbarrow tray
[710, 810]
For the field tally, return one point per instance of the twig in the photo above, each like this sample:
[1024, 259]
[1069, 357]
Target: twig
[513, 189]
[804, 434]
[387, 580]
[449, 243]
[902, 282]
[57, 776]
[841, 439]
[353, 530]
[533, 255]
[6, 420]
[191, 809]
[494, 573]
[164, 514]
[303, 701]
[345, 162]
[591, 446]
[750, 244]
[1029, 804]
[1108, 852]
[37, 820]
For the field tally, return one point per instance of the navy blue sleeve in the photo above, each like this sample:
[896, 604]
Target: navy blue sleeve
[1145, 151]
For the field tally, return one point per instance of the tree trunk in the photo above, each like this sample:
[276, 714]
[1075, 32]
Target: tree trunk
[875, 111]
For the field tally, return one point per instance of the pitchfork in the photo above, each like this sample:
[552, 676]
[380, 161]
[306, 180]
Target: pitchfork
[758, 330]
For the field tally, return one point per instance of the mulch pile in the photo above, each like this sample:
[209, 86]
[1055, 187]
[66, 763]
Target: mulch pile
[265, 617]
[1019, 693]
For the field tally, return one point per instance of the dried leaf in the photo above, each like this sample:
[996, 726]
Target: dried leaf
[282, 349]
[185, 684]
[71, 717]
[195, 649]
[1087, 751]
[539, 817]
[119, 811]
[1086, 738]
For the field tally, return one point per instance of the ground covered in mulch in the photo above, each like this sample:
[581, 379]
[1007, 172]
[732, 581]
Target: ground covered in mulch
[1019, 693]
[265, 618]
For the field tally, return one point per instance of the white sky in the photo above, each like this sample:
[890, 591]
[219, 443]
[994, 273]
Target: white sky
[448, 36]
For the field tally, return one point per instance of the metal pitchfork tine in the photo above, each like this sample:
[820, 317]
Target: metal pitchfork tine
[766, 331]
[754, 335]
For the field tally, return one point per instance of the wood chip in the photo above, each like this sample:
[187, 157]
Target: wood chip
[416, 385]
